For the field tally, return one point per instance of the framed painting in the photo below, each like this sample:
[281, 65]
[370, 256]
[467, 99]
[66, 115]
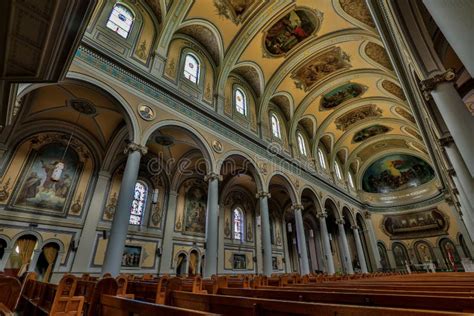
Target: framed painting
[131, 257]
[240, 262]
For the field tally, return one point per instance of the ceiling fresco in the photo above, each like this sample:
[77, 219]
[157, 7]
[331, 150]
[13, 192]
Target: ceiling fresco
[323, 64]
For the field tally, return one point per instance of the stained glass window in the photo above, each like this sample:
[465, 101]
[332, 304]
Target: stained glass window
[322, 160]
[338, 170]
[238, 224]
[240, 101]
[120, 20]
[301, 144]
[275, 126]
[191, 68]
[138, 204]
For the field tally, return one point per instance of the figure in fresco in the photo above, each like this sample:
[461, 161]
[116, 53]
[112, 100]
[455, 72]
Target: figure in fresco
[369, 132]
[48, 169]
[195, 210]
[31, 187]
[341, 94]
[61, 187]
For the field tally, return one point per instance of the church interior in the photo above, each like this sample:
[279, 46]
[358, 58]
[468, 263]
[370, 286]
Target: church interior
[236, 157]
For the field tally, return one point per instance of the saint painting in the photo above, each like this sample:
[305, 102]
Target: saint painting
[341, 94]
[289, 31]
[195, 210]
[40, 187]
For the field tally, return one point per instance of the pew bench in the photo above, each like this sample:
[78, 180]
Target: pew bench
[10, 289]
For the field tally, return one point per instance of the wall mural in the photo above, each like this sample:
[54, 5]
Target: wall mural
[234, 10]
[195, 207]
[421, 224]
[403, 113]
[450, 254]
[378, 54]
[37, 191]
[289, 31]
[358, 10]
[396, 172]
[393, 89]
[341, 94]
[369, 132]
[320, 67]
[369, 111]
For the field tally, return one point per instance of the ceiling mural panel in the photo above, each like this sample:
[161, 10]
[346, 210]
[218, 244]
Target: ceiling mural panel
[393, 89]
[234, 10]
[358, 10]
[378, 54]
[341, 94]
[395, 173]
[404, 113]
[369, 132]
[370, 111]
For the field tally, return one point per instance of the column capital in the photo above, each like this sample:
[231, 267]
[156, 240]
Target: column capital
[354, 227]
[212, 176]
[367, 215]
[263, 194]
[451, 172]
[340, 221]
[131, 147]
[431, 83]
[446, 140]
[322, 215]
[295, 207]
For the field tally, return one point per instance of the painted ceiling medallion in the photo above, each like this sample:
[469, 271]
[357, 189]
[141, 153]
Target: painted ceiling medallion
[378, 54]
[83, 106]
[217, 146]
[341, 94]
[393, 89]
[146, 112]
[358, 10]
[404, 113]
[369, 132]
[396, 172]
[291, 30]
[320, 67]
[369, 111]
[234, 10]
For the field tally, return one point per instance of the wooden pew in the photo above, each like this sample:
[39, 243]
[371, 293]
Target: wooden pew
[440, 303]
[92, 290]
[119, 306]
[150, 291]
[10, 289]
[239, 306]
[52, 299]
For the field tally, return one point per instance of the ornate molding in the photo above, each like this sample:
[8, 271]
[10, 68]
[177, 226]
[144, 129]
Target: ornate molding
[322, 215]
[296, 207]
[340, 221]
[131, 147]
[446, 140]
[263, 194]
[354, 227]
[430, 84]
[367, 215]
[213, 176]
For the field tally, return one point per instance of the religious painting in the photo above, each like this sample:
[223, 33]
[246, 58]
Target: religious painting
[393, 89]
[195, 208]
[234, 10]
[131, 256]
[370, 111]
[320, 67]
[422, 224]
[369, 132]
[450, 254]
[239, 262]
[378, 54]
[383, 256]
[400, 254]
[341, 94]
[289, 31]
[48, 180]
[404, 113]
[358, 10]
[423, 252]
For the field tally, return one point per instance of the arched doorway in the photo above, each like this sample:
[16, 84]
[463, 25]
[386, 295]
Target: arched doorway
[181, 262]
[384, 262]
[193, 268]
[401, 255]
[22, 255]
[46, 261]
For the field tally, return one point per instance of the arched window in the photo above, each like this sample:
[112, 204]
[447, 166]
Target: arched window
[275, 126]
[120, 20]
[191, 68]
[322, 160]
[240, 101]
[138, 204]
[338, 170]
[351, 181]
[301, 144]
[238, 224]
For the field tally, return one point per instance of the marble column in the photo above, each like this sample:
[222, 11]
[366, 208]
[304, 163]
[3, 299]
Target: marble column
[167, 247]
[212, 224]
[84, 253]
[301, 238]
[6, 255]
[372, 240]
[326, 243]
[266, 238]
[454, 19]
[360, 250]
[119, 229]
[454, 113]
[346, 253]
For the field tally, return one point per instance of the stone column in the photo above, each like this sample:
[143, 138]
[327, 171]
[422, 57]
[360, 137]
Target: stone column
[345, 247]
[266, 238]
[454, 19]
[34, 260]
[373, 240]
[300, 235]
[167, 245]
[319, 250]
[119, 229]
[6, 255]
[360, 250]
[454, 112]
[84, 252]
[212, 224]
[326, 243]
